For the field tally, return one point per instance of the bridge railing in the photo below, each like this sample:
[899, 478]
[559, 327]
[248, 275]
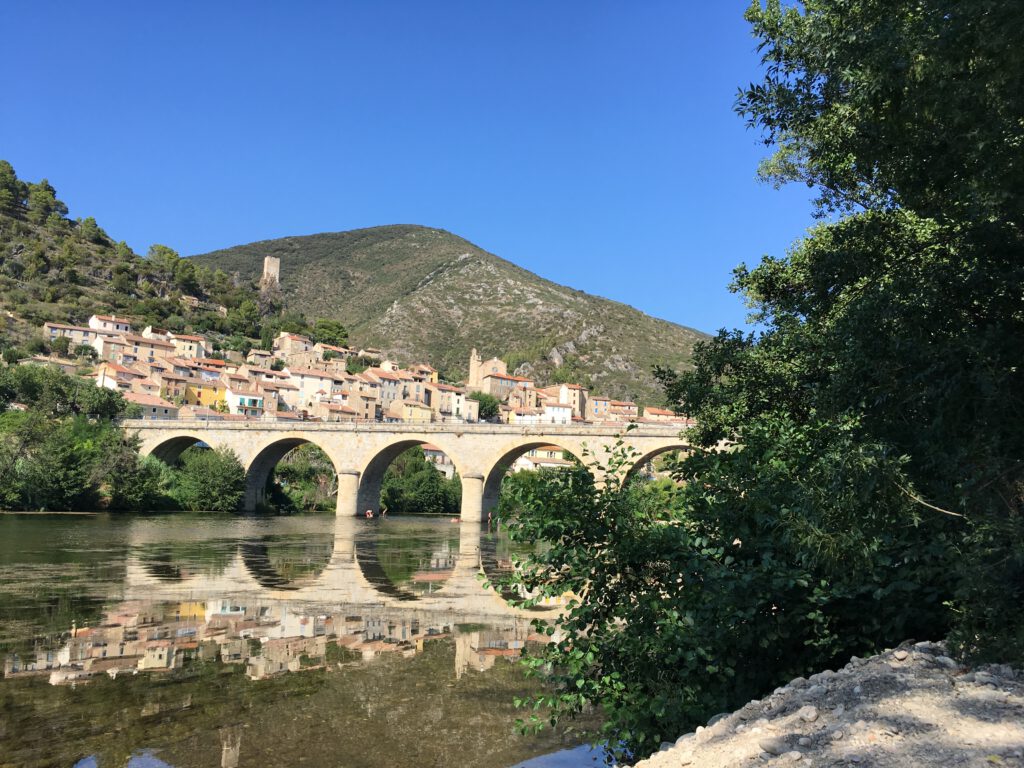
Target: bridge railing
[368, 425]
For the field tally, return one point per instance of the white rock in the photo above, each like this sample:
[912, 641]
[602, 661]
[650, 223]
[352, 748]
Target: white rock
[808, 714]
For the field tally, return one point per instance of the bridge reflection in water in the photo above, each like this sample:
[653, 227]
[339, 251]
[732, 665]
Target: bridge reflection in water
[209, 606]
[297, 591]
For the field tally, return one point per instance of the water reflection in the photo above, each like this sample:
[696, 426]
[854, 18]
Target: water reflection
[216, 630]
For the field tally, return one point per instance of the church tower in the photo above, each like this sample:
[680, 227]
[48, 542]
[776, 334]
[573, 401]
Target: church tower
[475, 375]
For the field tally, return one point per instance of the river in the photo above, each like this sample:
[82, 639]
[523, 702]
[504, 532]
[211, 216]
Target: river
[200, 640]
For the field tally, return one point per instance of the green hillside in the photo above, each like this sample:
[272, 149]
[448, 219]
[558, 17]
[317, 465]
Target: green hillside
[422, 293]
[53, 268]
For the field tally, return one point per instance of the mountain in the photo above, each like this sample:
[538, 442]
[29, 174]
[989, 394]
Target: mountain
[426, 294]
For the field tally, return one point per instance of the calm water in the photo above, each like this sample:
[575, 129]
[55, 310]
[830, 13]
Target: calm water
[189, 640]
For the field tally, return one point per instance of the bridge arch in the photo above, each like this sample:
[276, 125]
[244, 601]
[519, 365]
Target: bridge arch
[372, 475]
[169, 450]
[499, 466]
[637, 464]
[266, 456]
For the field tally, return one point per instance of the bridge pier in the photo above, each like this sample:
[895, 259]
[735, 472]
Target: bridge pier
[348, 493]
[472, 498]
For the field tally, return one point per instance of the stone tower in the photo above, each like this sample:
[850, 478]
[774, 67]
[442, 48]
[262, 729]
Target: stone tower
[475, 376]
[271, 271]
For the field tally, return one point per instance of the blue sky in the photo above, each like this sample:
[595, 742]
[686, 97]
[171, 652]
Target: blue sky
[593, 143]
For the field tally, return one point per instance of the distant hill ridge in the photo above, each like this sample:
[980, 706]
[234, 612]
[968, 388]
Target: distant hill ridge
[422, 293]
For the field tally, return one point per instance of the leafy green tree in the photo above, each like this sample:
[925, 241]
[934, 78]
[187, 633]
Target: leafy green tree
[42, 202]
[328, 331]
[185, 276]
[873, 473]
[904, 317]
[136, 483]
[210, 480]
[89, 231]
[490, 406]
[246, 319]
[86, 351]
[13, 192]
[56, 395]
[60, 346]
[164, 259]
[413, 486]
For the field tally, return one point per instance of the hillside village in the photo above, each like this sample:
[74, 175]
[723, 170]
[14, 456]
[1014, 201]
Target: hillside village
[170, 375]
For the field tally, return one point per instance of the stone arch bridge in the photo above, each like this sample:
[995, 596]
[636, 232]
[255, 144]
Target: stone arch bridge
[360, 452]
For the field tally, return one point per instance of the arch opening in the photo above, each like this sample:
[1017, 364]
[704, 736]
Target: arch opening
[529, 457]
[169, 451]
[408, 558]
[657, 464]
[291, 474]
[173, 561]
[410, 477]
[288, 562]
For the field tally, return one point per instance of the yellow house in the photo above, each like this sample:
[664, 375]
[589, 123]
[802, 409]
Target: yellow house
[411, 410]
[205, 393]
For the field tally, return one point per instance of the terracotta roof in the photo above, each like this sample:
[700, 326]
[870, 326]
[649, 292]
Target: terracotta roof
[210, 361]
[623, 403]
[314, 372]
[113, 318]
[339, 408]
[121, 369]
[69, 327]
[136, 339]
[142, 399]
[504, 376]
[185, 337]
[659, 411]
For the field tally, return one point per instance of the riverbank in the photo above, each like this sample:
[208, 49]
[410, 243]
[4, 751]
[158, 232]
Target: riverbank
[911, 706]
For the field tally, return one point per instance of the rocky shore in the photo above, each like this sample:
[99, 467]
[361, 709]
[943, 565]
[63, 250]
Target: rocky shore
[910, 706]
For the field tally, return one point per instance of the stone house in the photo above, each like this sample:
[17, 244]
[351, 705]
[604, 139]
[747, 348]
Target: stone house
[153, 408]
[110, 323]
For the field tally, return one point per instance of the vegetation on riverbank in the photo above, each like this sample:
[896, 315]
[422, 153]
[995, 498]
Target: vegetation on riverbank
[875, 490]
[66, 451]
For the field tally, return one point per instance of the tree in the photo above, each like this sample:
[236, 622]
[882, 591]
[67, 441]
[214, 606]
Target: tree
[872, 489]
[89, 231]
[414, 486]
[490, 406]
[210, 480]
[86, 351]
[326, 331]
[13, 192]
[907, 314]
[42, 202]
[60, 346]
[246, 319]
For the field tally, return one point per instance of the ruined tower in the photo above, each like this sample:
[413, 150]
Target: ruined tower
[271, 271]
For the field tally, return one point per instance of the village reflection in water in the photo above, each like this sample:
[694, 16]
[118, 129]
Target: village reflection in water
[267, 639]
[264, 602]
